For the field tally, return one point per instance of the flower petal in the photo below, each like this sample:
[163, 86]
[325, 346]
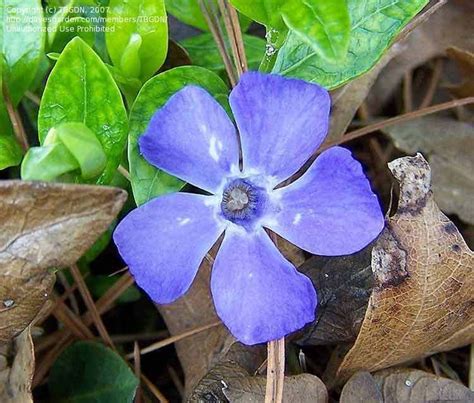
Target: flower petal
[281, 122]
[257, 293]
[192, 137]
[331, 209]
[164, 241]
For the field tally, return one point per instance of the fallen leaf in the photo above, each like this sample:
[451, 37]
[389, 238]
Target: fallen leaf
[343, 284]
[45, 225]
[229, 382]
[361, 388]
[451, 25]
[465, 61]
[448, 143]
[17, 364]
[424, 287]
[200, 352]
[403, 385]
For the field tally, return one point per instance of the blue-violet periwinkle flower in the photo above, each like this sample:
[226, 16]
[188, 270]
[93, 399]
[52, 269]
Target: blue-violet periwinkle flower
[329, 210]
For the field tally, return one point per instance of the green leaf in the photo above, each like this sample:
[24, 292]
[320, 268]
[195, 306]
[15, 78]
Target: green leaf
[189, 12]
[48, 163]
[374, 25]
[137, 46]
[266, 12]
[81, 89]
[203, 51]
[324, 25]
[147, 181]
[83, 145]
[100, 284]
[90, 372]
[10, 150]
[23, 35]
[70, 28]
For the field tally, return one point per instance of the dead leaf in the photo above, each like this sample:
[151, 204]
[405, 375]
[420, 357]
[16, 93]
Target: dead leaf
[17, 364]
[424, 286]
[448, 144]
[449, 26]
[229, 382]
[176, 56]
[403, 385]
[361, 388]
[465, 61]
[45, 225]
[344, 285]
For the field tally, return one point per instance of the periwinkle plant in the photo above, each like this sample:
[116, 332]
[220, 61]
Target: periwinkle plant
[329, 210]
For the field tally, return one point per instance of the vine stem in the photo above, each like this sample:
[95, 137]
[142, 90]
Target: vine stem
[215, 28]
[275, 371]
[17, 124]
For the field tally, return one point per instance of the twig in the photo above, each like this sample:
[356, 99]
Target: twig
[71, 321]
[87, 297]
[33, 97]
[174, 339]
[176, 381]
[408, 91]
[124, 172]
[103, 304]
[438, 68]
[216, 31]
[17, 124]
[275, 371]
[153, 389]
[137, 370]
[231, 22]
[68, 291]
[396, 120]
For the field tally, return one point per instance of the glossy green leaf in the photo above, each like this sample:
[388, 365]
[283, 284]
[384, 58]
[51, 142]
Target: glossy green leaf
[48, 163]
[137, 36]
[67, 30]
[147, 181]
[324, 25]
[189, 12]
[23, 36]
[203, 51]
[266, 12]
[83, 145]
[10, 150]
[81, 89]
[374, 25]
[90, 372]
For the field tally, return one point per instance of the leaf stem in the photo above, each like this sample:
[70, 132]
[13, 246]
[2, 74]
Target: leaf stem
[17, 124]
[275, 371]
[215, 28]
[232, 25]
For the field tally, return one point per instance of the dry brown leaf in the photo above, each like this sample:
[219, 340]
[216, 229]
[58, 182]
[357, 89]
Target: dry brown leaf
[45, 225]
[465, 61]
[449, 26]
[344, 285]
[448, 144]
[403, 385]
[424, 285]
[229, 382]
[17, 364]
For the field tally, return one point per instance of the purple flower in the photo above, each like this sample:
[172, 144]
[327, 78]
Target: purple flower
[330, 210]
